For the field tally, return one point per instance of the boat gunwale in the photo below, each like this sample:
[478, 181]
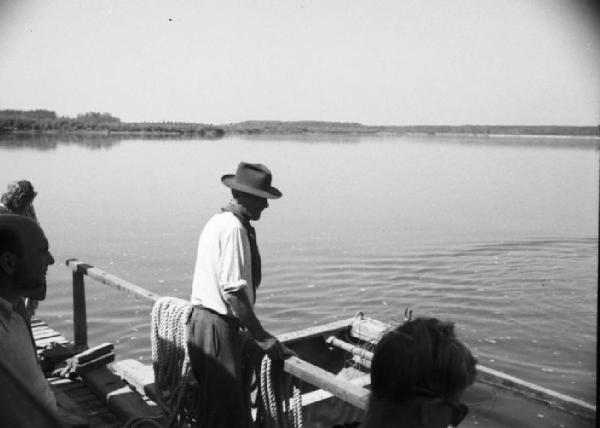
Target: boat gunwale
[493, 377]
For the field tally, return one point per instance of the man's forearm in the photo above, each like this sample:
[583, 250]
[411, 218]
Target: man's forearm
[243, 310]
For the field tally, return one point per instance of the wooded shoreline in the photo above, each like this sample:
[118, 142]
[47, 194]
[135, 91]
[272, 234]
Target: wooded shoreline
[47, 122]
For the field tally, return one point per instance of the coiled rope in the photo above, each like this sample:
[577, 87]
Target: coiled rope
[280, 406]
[278, 409]
[170, 358]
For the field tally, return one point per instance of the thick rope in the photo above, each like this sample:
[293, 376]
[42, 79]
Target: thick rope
[172, 370]
[170, 358]
[277, 408]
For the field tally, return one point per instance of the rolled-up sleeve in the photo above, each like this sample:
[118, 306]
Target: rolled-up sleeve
[235, 255]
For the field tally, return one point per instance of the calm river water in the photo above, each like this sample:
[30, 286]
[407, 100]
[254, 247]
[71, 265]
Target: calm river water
[499, 235]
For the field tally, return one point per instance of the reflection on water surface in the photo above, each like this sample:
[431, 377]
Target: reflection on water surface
[497, 234]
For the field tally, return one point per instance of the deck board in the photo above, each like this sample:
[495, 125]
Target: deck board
[73, 394]
[97, 414]
[45, 336]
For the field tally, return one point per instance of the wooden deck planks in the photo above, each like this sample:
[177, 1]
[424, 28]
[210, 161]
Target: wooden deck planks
[44, 335]
[83, 402]
[123, 402]
[72, 394]
[98, 396]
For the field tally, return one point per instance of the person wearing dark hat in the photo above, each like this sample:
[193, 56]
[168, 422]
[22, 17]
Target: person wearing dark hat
[226, 277]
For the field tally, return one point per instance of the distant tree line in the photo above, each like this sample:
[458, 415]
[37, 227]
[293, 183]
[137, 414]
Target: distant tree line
[48, 121]
[504, 130]
[308, 127]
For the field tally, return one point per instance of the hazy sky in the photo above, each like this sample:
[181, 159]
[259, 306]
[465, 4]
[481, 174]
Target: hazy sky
[396, 62]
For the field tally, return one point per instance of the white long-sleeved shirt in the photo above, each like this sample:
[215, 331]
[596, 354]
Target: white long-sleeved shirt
[223, 263]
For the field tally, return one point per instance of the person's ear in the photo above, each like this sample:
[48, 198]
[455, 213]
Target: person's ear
[8, 262]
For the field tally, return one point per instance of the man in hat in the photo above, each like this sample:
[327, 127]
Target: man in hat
[226, 276]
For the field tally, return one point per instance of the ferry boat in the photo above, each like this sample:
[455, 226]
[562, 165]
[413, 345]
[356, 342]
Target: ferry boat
[330, 375]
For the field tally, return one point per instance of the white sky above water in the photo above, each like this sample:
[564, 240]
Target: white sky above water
[396, 62]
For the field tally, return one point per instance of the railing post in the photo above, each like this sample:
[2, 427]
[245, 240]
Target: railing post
[79, 311]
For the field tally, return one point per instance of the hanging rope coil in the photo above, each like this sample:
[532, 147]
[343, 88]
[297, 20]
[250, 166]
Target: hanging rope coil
[170, 358]
[281, 401]
[277, 408]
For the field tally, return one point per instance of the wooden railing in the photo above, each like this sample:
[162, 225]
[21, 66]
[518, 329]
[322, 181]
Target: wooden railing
[80, 270]
[349, 392]
[354, 394]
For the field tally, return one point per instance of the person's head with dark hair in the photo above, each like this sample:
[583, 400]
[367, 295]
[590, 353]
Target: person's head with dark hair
[418, 374]
[24, 256]
[10, 242]
[18, 198]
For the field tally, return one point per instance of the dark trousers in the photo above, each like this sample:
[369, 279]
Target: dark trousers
[216, 349]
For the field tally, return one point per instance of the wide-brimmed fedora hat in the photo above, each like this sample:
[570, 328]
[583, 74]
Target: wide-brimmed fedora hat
[252, 178]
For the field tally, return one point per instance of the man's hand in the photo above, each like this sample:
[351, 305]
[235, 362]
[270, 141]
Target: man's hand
[243, 310]
[274, 348]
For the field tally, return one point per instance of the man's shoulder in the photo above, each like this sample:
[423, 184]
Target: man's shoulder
[221, 227]
[223, 221]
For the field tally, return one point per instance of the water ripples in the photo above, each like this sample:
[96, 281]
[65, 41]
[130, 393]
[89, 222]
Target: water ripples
[526, 306]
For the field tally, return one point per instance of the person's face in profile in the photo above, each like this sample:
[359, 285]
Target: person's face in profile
[254, 204]
[33, 265]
